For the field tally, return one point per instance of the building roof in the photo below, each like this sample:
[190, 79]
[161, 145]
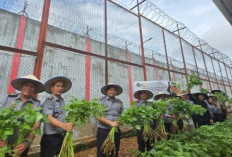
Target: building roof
[225, 6]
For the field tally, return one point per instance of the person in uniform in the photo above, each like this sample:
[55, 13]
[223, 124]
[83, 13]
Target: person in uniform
[213, 109]
[205, 119]
[168, 119]
[161, 96]
[28, 85]
[142, 96]
[114, 108]
[221, 107]
[54, 131]
[187, 97]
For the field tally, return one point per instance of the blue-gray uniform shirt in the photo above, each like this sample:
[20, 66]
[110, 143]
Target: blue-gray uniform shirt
[53, 106]
[144, 103]
[211, 108]
[114, 108]
[10, 100]
[167, 118]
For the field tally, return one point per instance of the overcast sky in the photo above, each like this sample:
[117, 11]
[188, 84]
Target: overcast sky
[203, 18]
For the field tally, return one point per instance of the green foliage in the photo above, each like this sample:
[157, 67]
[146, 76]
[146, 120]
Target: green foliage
[159, 108]
[207, 141]
[136, 117]
[203, 90]
[221, 97]
[22, 121]
[184, 109]
[78, 113]
[193, 81]
[197, 109]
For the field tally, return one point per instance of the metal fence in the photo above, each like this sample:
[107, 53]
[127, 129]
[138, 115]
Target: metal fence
[95, 42]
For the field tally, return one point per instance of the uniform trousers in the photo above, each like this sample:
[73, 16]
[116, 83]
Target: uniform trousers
[101, 136]
[50, 145]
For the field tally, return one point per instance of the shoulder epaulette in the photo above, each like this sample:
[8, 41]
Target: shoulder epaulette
[13, 94]
[102, 97]
[50, 97]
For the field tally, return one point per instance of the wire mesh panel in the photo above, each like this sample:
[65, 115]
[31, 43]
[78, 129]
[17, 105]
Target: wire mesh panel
[26, 67]
[228, 89]
[136, 75]
[5, 66]
[20, 22]
[122, 32]
[154, 73]
[214, 85]
[8, 28]
[70, 22]
[221, 87]
[128, 4]
[59, 62]
[153, 42]
[223, 70]
[200, 64]
[217, 71]
[229, 74]
[206, 85]
[118, 73]
[97, 76]
[134, 56]
[210, 69]
[31, 35]
[174, 52]
[189, 58]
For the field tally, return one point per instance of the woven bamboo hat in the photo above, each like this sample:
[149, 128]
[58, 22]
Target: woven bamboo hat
[17, 83]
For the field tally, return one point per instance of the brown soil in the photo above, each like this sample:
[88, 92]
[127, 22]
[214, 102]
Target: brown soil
[126, 146]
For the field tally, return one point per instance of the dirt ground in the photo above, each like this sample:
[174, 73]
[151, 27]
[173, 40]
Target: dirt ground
[126, 145]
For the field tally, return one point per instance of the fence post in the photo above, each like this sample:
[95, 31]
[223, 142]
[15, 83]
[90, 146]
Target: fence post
[42, 38]
[141, 42]
[166, 54]
[16, 57]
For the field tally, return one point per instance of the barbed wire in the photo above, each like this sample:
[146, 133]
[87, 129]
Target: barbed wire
[148, 9]
[154, 13]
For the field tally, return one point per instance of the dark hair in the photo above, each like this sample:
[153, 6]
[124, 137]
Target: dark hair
[110, 87]
[28, 81]
[57, 81]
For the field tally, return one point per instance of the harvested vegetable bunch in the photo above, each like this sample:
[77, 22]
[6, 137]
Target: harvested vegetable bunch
[138, 118]
[8, 123]
[159, 109]
[108, 145]
[183, 110]
[18, 122]
[193, 81]
[78, 113]
[198, 110]
[221, 97]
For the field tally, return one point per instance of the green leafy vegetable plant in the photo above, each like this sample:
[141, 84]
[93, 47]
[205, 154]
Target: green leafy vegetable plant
[78, 113]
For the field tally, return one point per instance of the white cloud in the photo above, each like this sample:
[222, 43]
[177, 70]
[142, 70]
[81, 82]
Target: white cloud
[204, 19]
[219, 35]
